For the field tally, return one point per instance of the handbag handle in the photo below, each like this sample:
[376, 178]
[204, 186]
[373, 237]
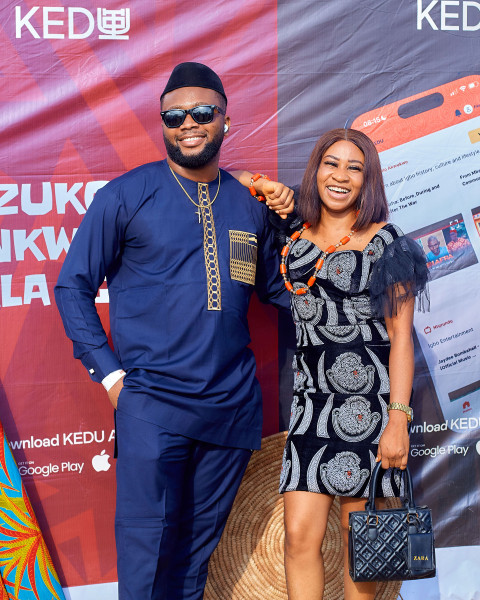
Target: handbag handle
[409, 500]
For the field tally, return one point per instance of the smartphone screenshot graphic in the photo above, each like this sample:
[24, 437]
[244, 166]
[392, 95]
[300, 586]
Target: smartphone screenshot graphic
[429, 146]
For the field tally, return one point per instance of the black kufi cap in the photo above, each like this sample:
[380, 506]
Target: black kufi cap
[193, 74]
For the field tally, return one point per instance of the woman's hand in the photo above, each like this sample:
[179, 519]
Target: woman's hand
[394, 443]
[278, 196]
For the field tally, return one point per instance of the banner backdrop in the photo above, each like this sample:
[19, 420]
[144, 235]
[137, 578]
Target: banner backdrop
[79, 106]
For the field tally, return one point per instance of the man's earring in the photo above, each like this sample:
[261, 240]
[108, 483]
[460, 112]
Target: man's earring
[225, 128]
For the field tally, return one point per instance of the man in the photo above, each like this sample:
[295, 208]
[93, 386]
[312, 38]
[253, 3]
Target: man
[183, 245]
[457, 245]
[436, 251]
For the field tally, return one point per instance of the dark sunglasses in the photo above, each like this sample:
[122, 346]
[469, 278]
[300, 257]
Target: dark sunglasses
[200, 114]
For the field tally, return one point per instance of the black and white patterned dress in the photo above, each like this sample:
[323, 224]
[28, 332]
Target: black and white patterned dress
[341, 384]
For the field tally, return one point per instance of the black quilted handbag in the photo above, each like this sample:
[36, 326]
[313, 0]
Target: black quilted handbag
[391, 544]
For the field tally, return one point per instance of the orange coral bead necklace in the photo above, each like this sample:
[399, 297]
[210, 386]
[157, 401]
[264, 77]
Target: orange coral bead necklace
[318, 264]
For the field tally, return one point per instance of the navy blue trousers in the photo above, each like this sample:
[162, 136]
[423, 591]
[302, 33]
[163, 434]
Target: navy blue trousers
[174, 495]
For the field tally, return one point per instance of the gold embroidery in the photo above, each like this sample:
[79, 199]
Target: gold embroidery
[243, 256]
[210, 249]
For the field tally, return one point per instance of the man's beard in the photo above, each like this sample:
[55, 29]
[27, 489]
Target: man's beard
[194, 161]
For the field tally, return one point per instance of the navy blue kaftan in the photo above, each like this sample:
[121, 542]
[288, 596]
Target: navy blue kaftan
[180, 278]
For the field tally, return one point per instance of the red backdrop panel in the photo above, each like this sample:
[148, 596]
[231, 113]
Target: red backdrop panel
[76, 112]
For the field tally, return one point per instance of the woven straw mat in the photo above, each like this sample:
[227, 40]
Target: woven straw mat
[248, 562]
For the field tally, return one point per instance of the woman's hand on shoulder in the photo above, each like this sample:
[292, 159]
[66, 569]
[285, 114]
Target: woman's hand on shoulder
[394, 443]
[278, 196]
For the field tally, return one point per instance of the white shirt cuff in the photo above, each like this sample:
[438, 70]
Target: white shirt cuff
[111, 379]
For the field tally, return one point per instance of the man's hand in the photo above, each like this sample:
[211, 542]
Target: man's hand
[114, 392]
[278, 196]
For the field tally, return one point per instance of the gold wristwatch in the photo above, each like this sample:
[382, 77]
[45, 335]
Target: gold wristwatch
[403, 407]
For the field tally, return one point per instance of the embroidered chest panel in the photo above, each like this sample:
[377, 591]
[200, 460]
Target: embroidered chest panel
[243, 256]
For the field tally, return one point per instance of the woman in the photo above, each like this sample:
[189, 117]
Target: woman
[353, 311]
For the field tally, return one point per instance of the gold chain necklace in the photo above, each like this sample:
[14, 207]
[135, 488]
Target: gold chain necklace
[191, 199]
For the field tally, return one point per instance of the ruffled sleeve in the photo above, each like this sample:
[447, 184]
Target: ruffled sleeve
[398, 275]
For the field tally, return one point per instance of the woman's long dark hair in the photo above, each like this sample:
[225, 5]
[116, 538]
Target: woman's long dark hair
[372, 201]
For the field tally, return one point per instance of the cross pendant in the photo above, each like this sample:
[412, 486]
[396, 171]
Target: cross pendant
[197, 212]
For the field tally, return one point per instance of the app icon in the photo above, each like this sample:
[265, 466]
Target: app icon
[468, 109]
[474, 136]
